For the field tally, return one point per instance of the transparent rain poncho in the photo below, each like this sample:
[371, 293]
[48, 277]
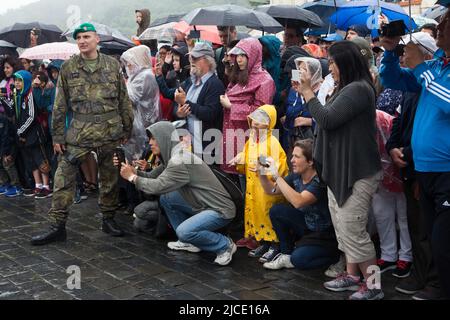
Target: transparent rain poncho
[315, 69]
[144, 94]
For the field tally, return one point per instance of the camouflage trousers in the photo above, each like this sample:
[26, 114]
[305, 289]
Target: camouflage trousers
[8, 173]
[65, 182]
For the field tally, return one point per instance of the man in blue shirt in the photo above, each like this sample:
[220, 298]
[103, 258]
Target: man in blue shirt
[431, 132]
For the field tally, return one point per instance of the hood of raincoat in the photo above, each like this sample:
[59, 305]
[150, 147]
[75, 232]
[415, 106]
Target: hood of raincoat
[139, 57]
[272, 65]
[146, 16]
[315, 69]
[184, 58]
[166, 135]
[253, 49]
[55, 64]
[268, 110]
[26, 78]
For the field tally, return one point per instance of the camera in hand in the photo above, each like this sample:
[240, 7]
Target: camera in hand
[395, 28]
[3, 91]
[399, 50]
[120, 154]
[263, 161]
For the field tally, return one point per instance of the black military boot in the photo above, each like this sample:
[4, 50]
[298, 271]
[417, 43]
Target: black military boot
[54, 234]
[110, 226]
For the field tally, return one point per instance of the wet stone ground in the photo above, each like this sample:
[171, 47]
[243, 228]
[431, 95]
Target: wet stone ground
[137, 267]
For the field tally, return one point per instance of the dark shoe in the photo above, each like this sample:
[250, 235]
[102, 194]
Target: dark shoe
[56, 233]
[44, 194]
[429, 293]
[409, 286]
[260, 251]
[270, 254]
[110, 226]
[403, 269]
[32, 192]
[386, 265]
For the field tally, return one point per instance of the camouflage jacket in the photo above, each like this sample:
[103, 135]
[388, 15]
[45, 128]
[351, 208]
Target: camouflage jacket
[91, 95]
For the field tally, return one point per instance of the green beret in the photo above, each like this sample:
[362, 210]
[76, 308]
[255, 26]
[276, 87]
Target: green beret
[85, 27]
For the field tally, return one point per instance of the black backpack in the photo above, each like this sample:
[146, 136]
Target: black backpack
[231, 184]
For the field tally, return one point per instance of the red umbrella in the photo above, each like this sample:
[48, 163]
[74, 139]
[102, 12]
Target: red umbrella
[207, 33]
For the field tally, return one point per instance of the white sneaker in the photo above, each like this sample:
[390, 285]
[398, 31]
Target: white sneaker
[279, 262]
[337, 269]
[225, 257]
[178, 245]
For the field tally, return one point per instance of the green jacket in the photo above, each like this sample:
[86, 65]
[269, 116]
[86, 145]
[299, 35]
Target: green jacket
[98, 101]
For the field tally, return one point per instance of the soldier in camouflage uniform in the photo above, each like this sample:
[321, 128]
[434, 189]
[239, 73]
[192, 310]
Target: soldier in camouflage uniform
[92, 90]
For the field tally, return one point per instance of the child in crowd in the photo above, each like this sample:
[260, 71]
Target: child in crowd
[389, 203]
[257, 203]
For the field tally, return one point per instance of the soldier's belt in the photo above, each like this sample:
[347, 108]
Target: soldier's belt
[95, 118]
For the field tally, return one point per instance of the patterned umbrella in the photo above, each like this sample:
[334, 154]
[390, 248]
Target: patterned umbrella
[55, 50]
[164, 31]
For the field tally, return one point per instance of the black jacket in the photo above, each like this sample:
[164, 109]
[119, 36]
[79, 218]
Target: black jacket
[7, 137]
[208, 108]
[402, 129]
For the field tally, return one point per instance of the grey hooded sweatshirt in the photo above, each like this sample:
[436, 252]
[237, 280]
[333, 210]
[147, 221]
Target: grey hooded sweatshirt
[186, 173]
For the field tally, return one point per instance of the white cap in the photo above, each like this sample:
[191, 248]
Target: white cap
[425, 39]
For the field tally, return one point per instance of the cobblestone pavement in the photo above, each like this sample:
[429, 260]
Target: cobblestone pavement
[134, 267]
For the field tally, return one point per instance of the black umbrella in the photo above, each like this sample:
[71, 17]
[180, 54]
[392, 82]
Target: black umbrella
[8, 49]
[166, 20]
[19, 33]
[292, 14]
[113, 47]
[106, 34]
[231, 15]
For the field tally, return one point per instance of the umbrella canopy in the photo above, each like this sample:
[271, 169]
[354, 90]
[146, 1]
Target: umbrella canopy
[164, 31]
[166, 20]
[324, 8]
[288, 14]
[19, 33]
[8, 49]
[435, 12]
[208, 33]
[367, 13]
[231, 15]
[106, 34]
[53, 51]
[445, 3]
[420, 20]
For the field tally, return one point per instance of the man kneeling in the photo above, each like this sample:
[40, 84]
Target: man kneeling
[194, 200]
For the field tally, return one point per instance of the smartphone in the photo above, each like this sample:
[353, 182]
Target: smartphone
[263, 161]
[295, 75]
[120, 154]
[3, 91]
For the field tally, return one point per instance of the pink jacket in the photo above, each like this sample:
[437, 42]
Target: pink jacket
[259, 91]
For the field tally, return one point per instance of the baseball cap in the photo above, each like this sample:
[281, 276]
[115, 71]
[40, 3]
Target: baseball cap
[201, 49]
[333, 37]
[365, 49]
[423, 39]
[84, 27]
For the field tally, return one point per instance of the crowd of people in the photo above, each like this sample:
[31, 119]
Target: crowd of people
[338, 146]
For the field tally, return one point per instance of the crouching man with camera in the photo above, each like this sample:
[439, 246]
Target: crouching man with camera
[194, 200]
[92, 90]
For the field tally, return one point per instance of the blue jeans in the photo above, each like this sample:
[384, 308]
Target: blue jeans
[289, 224]
[195, 228]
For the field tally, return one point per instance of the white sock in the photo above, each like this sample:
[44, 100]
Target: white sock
[39, 186]
[46, 187]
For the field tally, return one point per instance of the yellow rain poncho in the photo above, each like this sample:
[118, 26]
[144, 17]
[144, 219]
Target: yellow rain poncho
[257, 202]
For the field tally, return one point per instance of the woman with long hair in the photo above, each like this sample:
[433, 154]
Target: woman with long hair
[348, 161]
